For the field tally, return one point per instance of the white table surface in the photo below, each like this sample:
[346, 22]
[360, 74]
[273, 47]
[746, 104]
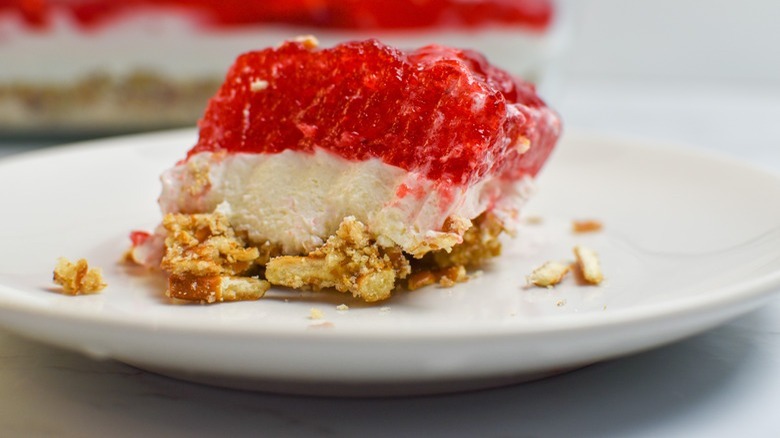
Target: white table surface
[722, 383]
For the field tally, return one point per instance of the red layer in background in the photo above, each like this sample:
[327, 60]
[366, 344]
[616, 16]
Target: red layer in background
[343, 14]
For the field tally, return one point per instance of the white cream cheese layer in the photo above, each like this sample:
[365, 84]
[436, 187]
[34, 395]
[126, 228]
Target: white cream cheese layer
[177, 46]
[297, 199]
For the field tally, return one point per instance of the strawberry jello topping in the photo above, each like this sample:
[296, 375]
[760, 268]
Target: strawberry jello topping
[345, 14]
[441, 112]
[416, 145]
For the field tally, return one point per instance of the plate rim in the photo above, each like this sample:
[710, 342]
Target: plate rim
[744, 292]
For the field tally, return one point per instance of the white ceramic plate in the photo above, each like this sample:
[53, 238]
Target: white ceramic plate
[690, 241]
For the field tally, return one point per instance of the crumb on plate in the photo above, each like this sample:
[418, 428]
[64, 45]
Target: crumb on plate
[549, 274]
[588, 264]
[586, 226]
[533, 220]
[77, 278]
[315, 313]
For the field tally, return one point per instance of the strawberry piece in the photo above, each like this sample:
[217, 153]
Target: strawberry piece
[443, 112]
[139, 237]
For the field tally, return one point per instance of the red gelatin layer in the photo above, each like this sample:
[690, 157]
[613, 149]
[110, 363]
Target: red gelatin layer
[345, 14]
[444, 113]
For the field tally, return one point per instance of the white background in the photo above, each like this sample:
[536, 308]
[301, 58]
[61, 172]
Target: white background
[700, 72]
[690, 41]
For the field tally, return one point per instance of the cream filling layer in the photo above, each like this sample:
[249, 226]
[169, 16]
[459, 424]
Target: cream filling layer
[177, 46]
[297, 199]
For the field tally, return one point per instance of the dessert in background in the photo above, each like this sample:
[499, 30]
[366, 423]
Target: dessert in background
[88, 67]
[350, 167]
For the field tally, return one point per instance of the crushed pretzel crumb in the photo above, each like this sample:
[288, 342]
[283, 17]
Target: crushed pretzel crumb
[523, 144]
[349, 262]
[258, 85]
[453, 275]
[315, 313]
[588, 264]
[421, 279]
[208, 260]
[204, 245]
[216, 288]
[533, 220]
[480, 243]
[309, 41]
[586, 226]
[446, 277]
[77, 278]
[549, 274]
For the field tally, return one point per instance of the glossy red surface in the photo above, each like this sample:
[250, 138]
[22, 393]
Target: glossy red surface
[445, 113]
[348, 14]
[139, 237]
